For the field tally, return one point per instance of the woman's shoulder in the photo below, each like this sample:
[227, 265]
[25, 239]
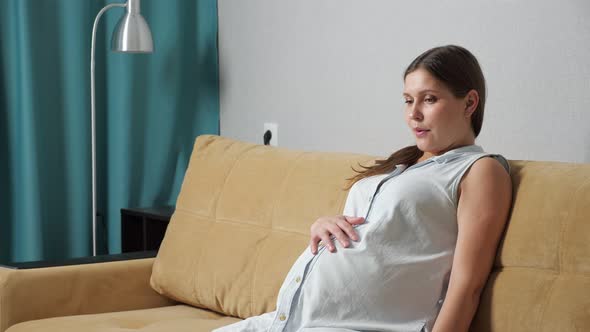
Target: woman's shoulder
[487, 174]
[490, 167]
[489, 159]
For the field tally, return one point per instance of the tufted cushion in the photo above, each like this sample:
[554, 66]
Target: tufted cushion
[242, 218]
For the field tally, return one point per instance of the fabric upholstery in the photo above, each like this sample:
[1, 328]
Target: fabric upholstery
[179, 318]
[541, 277]
[244, 212]
[76, 289]
[242, 218]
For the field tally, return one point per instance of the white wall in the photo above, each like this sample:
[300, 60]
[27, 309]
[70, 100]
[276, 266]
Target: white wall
[329, 72]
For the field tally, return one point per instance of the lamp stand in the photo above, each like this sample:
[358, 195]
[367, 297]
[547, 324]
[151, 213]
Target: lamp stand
[93, 119]
[132, 35]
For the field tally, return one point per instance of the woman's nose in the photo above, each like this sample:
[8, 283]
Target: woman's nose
[415, 113]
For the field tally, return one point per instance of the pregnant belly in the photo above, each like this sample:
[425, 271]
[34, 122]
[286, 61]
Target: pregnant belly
[368, 284]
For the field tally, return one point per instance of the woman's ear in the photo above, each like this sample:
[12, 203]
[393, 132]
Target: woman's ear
[471, 102]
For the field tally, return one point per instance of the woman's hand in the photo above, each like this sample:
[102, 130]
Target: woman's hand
[339, 226]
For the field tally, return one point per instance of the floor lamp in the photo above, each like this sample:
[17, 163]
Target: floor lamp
[132, 35]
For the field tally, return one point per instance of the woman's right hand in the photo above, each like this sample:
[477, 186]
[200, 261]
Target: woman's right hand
[339, 226]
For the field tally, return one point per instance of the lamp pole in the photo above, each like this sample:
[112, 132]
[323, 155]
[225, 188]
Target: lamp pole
[132, 35]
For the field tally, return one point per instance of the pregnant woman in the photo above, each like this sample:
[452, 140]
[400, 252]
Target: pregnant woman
[420, 229]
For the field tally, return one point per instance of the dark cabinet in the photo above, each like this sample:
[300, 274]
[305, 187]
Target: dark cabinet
[144, 228]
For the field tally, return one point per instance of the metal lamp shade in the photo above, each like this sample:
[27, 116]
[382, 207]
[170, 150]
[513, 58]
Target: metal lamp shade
[132, 35]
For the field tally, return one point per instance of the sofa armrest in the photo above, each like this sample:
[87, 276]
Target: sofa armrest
[35, 293]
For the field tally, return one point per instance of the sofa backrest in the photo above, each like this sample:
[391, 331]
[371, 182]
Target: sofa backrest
[541, 275]
[244, 210]
[242, 218]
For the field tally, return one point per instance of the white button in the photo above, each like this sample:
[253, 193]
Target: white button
[298, 279]
[282, 317]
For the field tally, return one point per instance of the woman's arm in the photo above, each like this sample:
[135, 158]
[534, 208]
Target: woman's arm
[484, 204]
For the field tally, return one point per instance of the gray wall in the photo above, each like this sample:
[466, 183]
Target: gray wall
[329, 71]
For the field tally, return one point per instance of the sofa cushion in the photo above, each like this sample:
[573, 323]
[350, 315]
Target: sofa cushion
[541, 276]
[242, 218]
[173, 318]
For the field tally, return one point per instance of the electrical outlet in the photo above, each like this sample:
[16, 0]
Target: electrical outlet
[274, 130]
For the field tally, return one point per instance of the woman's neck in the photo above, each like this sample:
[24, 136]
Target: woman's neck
[428, 154]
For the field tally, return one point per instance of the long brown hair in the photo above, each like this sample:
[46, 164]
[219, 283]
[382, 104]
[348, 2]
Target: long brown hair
[460, 72]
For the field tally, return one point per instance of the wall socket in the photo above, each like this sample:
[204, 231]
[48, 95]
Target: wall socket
[274, 130]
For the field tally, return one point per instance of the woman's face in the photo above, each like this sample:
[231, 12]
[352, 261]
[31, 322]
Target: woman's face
[439, 121]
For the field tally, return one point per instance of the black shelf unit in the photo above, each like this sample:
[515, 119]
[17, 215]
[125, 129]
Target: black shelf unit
[143, 229]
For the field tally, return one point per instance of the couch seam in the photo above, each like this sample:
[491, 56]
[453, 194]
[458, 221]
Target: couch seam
[282, 186]
[562, 227]
[272, 212]
[195, 270]
[551, 271]
[190, 212]
[241, 222]
[214, 218]
[227, 175]
[257, 259]
[546, 303]
[562, 252]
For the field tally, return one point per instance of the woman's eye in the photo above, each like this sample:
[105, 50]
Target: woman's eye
[407, 101]
[430, 99]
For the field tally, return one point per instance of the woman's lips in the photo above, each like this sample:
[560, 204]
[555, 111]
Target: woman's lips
[421, 132]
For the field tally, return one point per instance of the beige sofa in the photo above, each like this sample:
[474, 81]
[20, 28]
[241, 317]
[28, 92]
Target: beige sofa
[242, 218]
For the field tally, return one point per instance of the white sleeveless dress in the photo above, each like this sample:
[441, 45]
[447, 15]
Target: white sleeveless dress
[396, 276]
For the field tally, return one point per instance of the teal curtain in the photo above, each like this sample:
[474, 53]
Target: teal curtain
[149, 109]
